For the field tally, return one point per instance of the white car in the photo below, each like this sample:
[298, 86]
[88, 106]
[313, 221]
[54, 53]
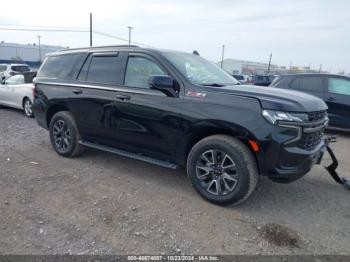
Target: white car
[17, 92]
[7, 70]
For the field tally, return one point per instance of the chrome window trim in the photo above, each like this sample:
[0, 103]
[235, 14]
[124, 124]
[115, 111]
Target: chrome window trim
[105, 88]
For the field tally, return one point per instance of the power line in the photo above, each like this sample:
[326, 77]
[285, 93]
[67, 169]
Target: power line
[43, 30]
[73, 30]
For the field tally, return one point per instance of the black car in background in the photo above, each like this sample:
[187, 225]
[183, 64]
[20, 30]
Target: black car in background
[333, 89]
[262, 80]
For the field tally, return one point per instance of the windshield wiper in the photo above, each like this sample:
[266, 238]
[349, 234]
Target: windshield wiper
[213, 84]
[220, 85]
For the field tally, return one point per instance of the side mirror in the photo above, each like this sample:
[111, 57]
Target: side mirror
[163, 83]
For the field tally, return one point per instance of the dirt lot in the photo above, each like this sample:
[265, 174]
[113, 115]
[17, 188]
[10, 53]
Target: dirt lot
[102, 203]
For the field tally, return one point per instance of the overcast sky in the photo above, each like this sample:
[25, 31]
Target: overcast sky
[301, 32]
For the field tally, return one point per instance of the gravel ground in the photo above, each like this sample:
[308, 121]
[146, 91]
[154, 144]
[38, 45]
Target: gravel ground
[101, 203]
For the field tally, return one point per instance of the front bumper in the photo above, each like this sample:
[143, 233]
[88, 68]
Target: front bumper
[296, 162]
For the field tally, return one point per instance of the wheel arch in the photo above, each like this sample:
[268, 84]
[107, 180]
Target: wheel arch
[208, 129]
[24, 99]
[53, 110]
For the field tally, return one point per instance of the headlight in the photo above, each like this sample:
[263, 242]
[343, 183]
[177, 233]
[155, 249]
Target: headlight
[275, 116]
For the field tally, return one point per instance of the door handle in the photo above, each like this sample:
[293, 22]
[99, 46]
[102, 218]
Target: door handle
[330, 99]
[77, 91]
[122, 97]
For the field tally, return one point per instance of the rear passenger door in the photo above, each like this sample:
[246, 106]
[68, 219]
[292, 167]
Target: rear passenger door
[314, 85]
[338, 100]
[94, 93]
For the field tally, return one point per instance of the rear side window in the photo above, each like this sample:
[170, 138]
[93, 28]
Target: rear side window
[308, 83]
[21, 69]
[104, 69]
[339, 86]
[59, 66]
[3, 68]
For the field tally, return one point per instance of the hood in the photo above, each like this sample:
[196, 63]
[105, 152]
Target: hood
[275, 98]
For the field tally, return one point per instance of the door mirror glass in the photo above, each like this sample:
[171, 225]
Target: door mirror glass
[162, 83]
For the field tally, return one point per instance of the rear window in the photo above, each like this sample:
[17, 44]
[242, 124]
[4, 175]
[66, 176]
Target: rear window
[60, 66]
[20, 68]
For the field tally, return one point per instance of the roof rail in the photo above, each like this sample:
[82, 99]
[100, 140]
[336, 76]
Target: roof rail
[97, 47]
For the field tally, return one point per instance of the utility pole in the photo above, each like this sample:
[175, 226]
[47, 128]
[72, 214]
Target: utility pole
[39, 36]
[320, 68]
[222, 55]
[130, 34]
[90, 29]
[268, 68]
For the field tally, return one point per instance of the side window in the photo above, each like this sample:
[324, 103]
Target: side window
[138, 71]
[339, 86]
[311, 83]
[59, 66]
[2, 68]
[295, 83]
[15, 80]
[104, 70]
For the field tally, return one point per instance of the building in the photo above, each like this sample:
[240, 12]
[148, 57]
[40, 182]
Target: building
[29, 54]
[235, 66]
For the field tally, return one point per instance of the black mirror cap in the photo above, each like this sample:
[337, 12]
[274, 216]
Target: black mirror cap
[163, 83]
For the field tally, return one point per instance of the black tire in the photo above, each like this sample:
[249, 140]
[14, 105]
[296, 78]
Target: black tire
[27, 107]
[62, 125]
[210, 160]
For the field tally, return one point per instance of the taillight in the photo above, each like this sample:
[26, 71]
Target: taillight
[34, 90]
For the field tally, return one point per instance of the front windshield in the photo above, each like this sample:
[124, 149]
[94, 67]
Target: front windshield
[199, 71]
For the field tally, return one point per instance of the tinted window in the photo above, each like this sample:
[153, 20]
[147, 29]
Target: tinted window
[104, 69]
[311, 83]
[59, 66]
[139, 70]
[339, 86]
[20, 68]
[238, 77]
[2, 68]
[15, 80]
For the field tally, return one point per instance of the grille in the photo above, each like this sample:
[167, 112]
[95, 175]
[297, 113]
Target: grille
[317, 116]
[310, 140]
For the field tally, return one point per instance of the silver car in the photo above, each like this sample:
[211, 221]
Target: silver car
[17, 91]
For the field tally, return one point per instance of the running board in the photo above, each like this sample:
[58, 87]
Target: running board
[130, 155]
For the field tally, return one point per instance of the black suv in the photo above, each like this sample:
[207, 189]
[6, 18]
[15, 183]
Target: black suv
[333, 89]
[178, 110]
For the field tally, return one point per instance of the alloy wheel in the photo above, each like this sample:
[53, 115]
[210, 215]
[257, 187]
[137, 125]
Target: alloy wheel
[61, 135]
[28, 108]
[217, 172]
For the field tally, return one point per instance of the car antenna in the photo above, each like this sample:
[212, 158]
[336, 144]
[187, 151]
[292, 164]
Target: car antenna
[195, 52]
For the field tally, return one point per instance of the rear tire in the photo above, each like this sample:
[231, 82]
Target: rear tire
[27, 106]
[222, 169]
[64, 135]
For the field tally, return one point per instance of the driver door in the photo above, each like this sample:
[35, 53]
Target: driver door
[13, 83]
[10, 86]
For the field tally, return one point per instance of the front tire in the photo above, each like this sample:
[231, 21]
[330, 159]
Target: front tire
[64, 135]
[222, 169]
[27, 106]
